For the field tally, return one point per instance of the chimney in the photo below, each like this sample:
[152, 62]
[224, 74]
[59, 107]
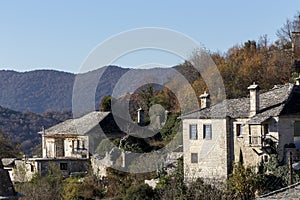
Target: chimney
[140, 116]
[254, 99]
[205, 100]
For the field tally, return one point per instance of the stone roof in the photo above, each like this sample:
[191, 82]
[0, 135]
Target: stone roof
[8, 161]
[290, 192]
[78, 126]
[271, 103]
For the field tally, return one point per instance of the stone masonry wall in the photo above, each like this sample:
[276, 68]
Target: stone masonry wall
[212, 154]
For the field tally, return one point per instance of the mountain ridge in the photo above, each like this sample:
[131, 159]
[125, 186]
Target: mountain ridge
[40, 91]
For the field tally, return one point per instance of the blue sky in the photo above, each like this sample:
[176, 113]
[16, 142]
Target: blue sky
[60, 34]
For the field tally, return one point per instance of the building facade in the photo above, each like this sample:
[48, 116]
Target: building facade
[215, 137]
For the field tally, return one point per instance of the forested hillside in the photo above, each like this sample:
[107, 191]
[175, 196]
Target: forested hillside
[262, 61]
[45, 90]
[22, 128]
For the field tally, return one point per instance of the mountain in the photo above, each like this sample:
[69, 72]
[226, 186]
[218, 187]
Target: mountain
[45, 90]
[48, 90]
[23, 127]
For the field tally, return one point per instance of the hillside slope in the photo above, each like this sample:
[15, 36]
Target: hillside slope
[23, 127]
[48, 90]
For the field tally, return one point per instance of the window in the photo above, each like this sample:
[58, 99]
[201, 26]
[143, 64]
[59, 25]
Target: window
[83, 144]
[266, 158]
[63, 166]
[297, 134]
[239, 130]
[255, 140]
[78, 142]
[193, 132]
[297, 129]
[31, 168]
[207, 134]
[73, 146]
[194, 158]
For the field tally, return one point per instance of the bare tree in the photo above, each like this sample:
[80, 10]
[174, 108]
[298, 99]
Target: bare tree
[284, 34]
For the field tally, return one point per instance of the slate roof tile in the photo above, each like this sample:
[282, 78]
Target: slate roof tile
[271, 104]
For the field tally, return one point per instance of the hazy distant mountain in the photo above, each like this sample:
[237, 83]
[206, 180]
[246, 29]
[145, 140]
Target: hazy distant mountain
[47, 90]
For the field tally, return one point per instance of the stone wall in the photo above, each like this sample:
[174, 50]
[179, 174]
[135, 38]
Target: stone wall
[69, 146]
[99, 167]
[243, 144]
[286, 132]
[212, 160]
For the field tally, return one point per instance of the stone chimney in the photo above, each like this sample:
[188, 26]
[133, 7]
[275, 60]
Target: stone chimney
[140, 116]
[254, 99]
[205, 100]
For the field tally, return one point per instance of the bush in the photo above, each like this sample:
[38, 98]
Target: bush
[89, 188]
[143, 191]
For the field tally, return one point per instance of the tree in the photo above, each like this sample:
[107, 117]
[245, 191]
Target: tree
[6, 148]
[243, 182]
[142, 191]
[172, 186]
[105, 105]
[43, 187]
[106, 145]
[285, 32]
[199, 190]
[82, 188]
[275, 175]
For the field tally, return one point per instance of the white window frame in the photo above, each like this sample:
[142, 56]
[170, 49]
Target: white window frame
[193, 135]
[205, 135]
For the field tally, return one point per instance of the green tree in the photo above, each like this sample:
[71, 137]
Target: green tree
[43, 187]
[276, 176]
[172, 186]
[105, 104]
[106, 145]
[83, 188]
[7, 149]
[140, 192]
[242, 183]
[199, 190]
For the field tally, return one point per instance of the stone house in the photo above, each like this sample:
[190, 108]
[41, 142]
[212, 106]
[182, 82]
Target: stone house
[68, 146]
[217, 136]
[71, 143]
[72, 138]
[22, 170]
